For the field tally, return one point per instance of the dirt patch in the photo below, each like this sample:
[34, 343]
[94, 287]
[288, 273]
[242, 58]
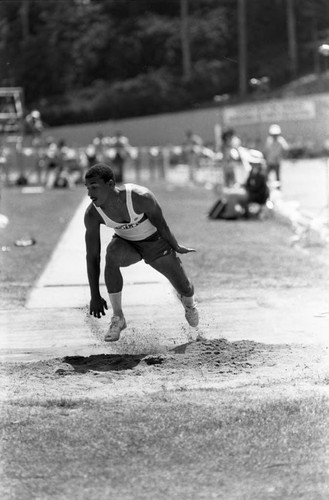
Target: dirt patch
[253, 414]
[202, 363]
[210, 354]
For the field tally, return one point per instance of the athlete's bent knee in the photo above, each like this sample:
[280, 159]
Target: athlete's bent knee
[112, 258]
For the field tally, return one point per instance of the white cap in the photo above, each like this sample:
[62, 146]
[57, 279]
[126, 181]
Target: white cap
[274, 130]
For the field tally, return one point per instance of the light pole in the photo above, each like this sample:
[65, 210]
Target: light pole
[242, 42]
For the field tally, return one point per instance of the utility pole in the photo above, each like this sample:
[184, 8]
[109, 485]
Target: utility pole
[292, 43]
[242, 47]
[186, 53]
[25, 11]
[315, 38]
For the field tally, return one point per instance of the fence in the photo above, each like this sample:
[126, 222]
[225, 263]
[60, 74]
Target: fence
[29, 165]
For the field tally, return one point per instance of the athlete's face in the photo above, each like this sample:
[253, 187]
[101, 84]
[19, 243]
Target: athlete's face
[98, 190]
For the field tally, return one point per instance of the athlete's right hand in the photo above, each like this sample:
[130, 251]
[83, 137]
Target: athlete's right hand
[97, 307]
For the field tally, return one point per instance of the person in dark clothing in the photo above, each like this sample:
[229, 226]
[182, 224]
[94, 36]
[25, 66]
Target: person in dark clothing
[121, 146]
[235, 201]
[256, 188]
[256, 185]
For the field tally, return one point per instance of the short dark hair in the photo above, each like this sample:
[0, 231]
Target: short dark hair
[101, 170]
[228, 134]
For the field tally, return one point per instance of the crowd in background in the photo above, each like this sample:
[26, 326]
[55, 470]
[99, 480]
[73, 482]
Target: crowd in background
[244, 173]
[55, 164]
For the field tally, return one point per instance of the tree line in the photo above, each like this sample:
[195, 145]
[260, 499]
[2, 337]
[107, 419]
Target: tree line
[86, 60]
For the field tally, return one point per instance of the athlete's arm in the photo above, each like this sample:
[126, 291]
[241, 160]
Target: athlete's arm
[146, 203]
[284, 145]
[93, 257]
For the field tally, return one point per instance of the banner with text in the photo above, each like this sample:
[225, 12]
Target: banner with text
[272, 112]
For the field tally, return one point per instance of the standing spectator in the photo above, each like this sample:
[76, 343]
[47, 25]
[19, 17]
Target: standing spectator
[275, 149]
[64, 177]
[58, 172]
[193, 145]
[121, 147]
[100, 144]
[34, 126]
[230, 143]
[91, 155]
[52, 162]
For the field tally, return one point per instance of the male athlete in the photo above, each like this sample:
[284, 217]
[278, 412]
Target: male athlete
[140, 232]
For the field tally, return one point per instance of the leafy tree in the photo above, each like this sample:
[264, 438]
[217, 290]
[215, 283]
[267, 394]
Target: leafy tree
[103, 58]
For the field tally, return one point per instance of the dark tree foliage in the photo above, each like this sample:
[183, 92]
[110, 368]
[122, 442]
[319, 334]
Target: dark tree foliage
[81, 60]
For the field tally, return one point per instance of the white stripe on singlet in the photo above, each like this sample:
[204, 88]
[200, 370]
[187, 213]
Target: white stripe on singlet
[138, 228]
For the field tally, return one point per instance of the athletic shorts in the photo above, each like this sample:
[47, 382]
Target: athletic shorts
[150, 249]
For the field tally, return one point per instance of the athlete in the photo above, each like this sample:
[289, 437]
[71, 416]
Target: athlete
[140, 232]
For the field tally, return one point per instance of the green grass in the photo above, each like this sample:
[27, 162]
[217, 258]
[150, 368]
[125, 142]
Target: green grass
[254, 443]
[236, 254]
[40, 216]
[231, 254]
[209, 445]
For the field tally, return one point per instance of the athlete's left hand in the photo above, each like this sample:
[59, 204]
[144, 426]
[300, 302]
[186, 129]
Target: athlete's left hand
[182, 249]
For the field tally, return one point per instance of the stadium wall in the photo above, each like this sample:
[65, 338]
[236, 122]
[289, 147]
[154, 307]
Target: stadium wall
[304, 120]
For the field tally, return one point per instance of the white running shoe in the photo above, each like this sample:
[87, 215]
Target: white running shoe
[191, 313]
[118, 323]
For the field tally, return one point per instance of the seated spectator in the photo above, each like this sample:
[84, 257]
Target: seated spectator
[256, 185]
[235, 201]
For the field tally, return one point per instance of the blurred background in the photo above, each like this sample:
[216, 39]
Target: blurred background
[93, 60]
[82, 79]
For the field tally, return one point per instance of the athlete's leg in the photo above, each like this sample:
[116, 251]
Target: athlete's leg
[171, 267]
[120, 253]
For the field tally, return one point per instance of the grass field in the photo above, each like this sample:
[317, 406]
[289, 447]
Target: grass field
[214, 444]
[41, 217]
[221, 258]
[261, 433]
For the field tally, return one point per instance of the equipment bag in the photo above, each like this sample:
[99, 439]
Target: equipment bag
[217, 209]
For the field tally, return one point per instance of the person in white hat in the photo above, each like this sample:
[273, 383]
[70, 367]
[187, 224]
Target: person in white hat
[275, 149]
